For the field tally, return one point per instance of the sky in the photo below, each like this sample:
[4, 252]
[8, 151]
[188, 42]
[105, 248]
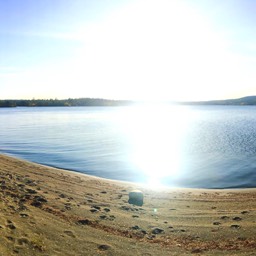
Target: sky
[182, 50]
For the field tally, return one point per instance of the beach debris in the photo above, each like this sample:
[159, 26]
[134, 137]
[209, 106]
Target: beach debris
[136, 197]
[244, 212]
[216, 223]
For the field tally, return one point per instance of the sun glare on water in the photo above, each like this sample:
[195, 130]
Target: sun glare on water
[156, 133]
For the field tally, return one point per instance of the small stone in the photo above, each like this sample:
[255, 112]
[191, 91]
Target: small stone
[237, 218]
[216, 223]
[156, 231]
[104, 247]
[84, 222]
[136, 227]
[136, 197]
[244, 212]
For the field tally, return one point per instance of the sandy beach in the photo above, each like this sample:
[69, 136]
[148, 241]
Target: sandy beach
[48, 211]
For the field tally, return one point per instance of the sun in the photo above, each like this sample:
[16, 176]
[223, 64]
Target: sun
[156, 133]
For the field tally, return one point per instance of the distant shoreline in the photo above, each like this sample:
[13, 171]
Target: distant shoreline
[87, 102]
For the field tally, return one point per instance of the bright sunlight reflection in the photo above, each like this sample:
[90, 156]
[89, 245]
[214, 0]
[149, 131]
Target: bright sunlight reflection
[156, 133]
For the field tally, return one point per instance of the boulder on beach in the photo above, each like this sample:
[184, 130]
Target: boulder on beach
[136, 197]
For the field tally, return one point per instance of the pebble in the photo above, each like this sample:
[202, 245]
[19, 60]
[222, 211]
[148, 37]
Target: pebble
[104, 247]
[156, 231]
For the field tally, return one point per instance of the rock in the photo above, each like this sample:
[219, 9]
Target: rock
[104, 247]
[136, 197]
[156, 231]
[84, 222]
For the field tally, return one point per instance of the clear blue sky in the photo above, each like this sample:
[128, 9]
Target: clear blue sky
[128, 49]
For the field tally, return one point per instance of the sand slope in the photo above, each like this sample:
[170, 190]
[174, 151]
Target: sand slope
[47, 211]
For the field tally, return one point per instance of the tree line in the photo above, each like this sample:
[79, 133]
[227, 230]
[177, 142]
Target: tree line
[63, 103]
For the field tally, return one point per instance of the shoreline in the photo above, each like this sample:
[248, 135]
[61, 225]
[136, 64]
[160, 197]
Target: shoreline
[140, 184]
[50, 211]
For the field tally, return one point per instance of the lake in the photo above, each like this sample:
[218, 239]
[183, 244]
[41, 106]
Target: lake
[177, 146]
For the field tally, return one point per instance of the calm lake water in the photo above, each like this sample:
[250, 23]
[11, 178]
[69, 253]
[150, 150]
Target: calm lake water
[187, 146]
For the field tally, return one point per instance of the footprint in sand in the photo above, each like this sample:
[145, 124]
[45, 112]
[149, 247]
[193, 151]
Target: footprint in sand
[10, 225]
[10, 238]
[237, 218]
[23, 241]
[235, 226]
[69, 233]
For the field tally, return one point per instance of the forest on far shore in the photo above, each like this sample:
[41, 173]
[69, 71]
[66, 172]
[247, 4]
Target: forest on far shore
[87, 102]
[63, 103]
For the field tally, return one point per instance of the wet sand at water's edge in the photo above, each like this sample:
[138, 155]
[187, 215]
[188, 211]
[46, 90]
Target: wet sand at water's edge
[48, 211]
